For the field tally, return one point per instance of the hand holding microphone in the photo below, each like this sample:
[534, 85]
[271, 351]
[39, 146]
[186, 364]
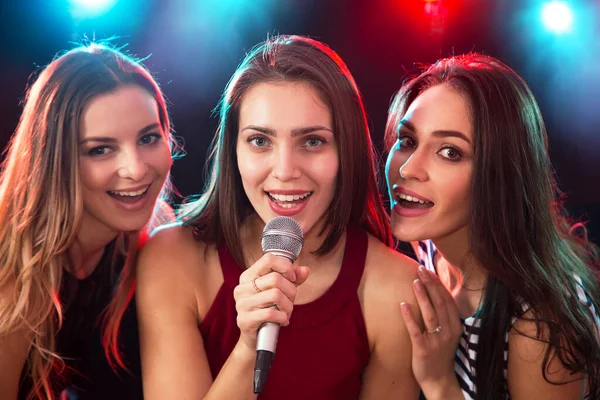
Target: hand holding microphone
[264, 300]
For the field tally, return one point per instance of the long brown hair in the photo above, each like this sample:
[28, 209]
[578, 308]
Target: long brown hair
[41, 205]
[219, 212]
[517, 228]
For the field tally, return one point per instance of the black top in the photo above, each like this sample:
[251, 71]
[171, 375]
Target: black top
[79, 342]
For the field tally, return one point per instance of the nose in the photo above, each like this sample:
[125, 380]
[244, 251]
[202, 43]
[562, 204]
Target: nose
[285, 164]
[132, 165]
[414, 167]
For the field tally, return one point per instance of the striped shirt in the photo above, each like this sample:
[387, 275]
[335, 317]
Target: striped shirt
[466, 354]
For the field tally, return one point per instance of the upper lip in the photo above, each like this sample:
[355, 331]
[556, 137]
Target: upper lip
[288, 192]
[134, 189]
[399, 189]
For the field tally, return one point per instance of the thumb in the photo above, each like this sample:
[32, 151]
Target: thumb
[302, 273]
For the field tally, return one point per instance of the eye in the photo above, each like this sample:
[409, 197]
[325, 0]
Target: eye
[99, 151]
[407, 142]
[150, 138]
[314, 141]
[450, 153]
[258, 141]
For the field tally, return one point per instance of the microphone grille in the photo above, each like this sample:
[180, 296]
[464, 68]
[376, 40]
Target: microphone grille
[283, 236]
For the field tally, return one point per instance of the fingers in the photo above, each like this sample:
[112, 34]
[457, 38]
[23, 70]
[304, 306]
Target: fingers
[272, 280]
[427, 312]
[270, 263]
[265, 299]
[250, 321]
[302, 273]
[433, 296]
[416, 336]
[264, 283]
[453, 314]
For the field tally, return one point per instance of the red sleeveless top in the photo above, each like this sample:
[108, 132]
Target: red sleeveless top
[322, 353]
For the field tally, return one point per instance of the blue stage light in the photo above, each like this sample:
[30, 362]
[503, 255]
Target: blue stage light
[557, 17]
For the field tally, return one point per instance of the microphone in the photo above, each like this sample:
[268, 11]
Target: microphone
[283, 237]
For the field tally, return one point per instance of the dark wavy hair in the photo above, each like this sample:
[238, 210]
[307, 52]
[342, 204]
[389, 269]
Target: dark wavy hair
[518, 231]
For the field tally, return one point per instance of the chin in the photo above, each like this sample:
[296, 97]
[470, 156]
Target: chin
[130, 226]
[408, 236]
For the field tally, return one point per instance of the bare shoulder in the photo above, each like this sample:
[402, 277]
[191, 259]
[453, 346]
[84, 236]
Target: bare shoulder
[389, 273]
[168, 268]
[387, 282]
[172, 244]
[173, 265]
[527, 349]
[525, 341]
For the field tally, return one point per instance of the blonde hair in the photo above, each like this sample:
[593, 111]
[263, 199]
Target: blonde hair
[41, 206]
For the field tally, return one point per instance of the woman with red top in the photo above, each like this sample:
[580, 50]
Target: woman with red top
[293, 140]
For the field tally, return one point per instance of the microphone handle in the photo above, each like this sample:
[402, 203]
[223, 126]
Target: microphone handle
[266, 342]
[267, 335]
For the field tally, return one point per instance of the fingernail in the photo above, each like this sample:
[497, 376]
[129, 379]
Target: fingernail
[418, 285]
[405, 308]
[422, 271]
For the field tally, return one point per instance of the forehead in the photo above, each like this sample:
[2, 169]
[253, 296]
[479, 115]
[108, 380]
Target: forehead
[126, 109]
[285, 104]
[440, 107]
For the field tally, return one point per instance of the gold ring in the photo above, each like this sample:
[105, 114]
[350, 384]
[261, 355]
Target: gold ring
[255, 286]
[437, 329]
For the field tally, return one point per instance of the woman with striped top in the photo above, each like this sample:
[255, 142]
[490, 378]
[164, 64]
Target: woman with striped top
[508, 297]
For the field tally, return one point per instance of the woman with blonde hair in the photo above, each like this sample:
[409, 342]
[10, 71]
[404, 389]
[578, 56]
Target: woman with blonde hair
[78, 190]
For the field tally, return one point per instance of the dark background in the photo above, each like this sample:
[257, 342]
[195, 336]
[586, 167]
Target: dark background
[195, 46]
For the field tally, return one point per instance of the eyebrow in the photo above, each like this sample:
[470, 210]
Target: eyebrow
[295, 132]
[105, 139]
[443, 133]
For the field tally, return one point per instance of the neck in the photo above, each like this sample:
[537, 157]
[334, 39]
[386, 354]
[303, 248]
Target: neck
[86, 252]
[458, 267]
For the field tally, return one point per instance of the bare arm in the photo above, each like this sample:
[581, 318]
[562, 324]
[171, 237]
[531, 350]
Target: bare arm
[14, 349]
[13, 353]
[387, 283]
[525, 379]
[174, 363]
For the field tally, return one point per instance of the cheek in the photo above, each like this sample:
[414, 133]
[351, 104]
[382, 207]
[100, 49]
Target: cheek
[252, 170]
[161, 160]
[95, 175]
[391, 165]
[456, 193]
[323, 169]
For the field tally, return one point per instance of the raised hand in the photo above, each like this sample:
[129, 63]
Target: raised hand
[434, 349]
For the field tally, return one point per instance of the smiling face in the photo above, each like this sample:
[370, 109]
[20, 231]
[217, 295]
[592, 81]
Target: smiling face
[124, 158]
[429, 168]
[286, 152]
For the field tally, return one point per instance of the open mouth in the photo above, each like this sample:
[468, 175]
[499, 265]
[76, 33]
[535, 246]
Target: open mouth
[128, 197]
[407, 201]
[288, 200]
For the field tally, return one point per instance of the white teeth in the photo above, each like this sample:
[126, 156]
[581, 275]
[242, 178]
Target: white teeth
[411, 198]
[289, 197]
[130, 194]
